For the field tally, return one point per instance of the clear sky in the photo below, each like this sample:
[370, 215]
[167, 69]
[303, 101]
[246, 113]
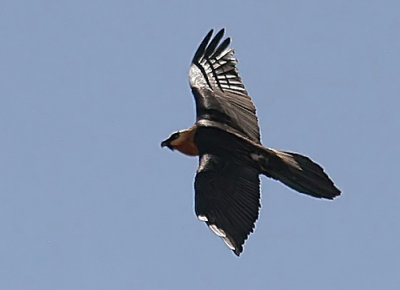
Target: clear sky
[89, 200]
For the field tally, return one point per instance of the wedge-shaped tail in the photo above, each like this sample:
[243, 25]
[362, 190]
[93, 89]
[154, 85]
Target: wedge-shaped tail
[298, 172]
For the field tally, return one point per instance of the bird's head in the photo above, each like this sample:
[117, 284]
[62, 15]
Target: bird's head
[169, 142]
[183, 141]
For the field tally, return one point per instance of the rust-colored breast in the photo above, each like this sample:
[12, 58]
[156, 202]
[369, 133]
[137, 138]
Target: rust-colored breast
[185, 142]
[188, 148]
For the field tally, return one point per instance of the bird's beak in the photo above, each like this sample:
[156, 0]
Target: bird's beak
[167, 143]
[164, 143]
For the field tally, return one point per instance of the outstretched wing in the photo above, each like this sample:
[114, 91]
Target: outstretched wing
[218, 89]
[227, 198]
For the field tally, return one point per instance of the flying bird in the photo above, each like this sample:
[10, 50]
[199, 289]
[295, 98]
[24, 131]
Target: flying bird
[226, 137]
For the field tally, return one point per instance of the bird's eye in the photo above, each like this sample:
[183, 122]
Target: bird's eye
[175, 135]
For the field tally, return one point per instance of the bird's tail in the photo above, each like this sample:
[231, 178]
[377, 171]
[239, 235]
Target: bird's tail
[298, 172]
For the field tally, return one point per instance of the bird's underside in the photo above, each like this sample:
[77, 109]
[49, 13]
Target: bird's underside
[226, 138]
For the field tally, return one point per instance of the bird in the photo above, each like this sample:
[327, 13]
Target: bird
[226, 139]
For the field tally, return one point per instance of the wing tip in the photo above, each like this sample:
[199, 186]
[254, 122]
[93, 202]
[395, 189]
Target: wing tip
[205, 43]
[202, 47]
[229, 241]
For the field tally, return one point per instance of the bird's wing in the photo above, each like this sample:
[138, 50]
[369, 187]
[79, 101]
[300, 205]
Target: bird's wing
[218, 89]
[227, 198]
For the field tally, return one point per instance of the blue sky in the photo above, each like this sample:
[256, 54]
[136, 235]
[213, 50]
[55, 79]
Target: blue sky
[89, 200]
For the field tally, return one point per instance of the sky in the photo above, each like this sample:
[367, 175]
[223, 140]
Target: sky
[89, 200]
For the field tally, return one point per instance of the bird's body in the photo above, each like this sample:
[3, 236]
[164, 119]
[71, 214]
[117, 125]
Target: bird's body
[227, 140]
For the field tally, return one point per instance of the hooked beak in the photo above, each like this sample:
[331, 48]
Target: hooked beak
[166, 143]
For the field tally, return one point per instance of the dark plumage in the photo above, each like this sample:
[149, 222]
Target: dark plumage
[227, 139]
